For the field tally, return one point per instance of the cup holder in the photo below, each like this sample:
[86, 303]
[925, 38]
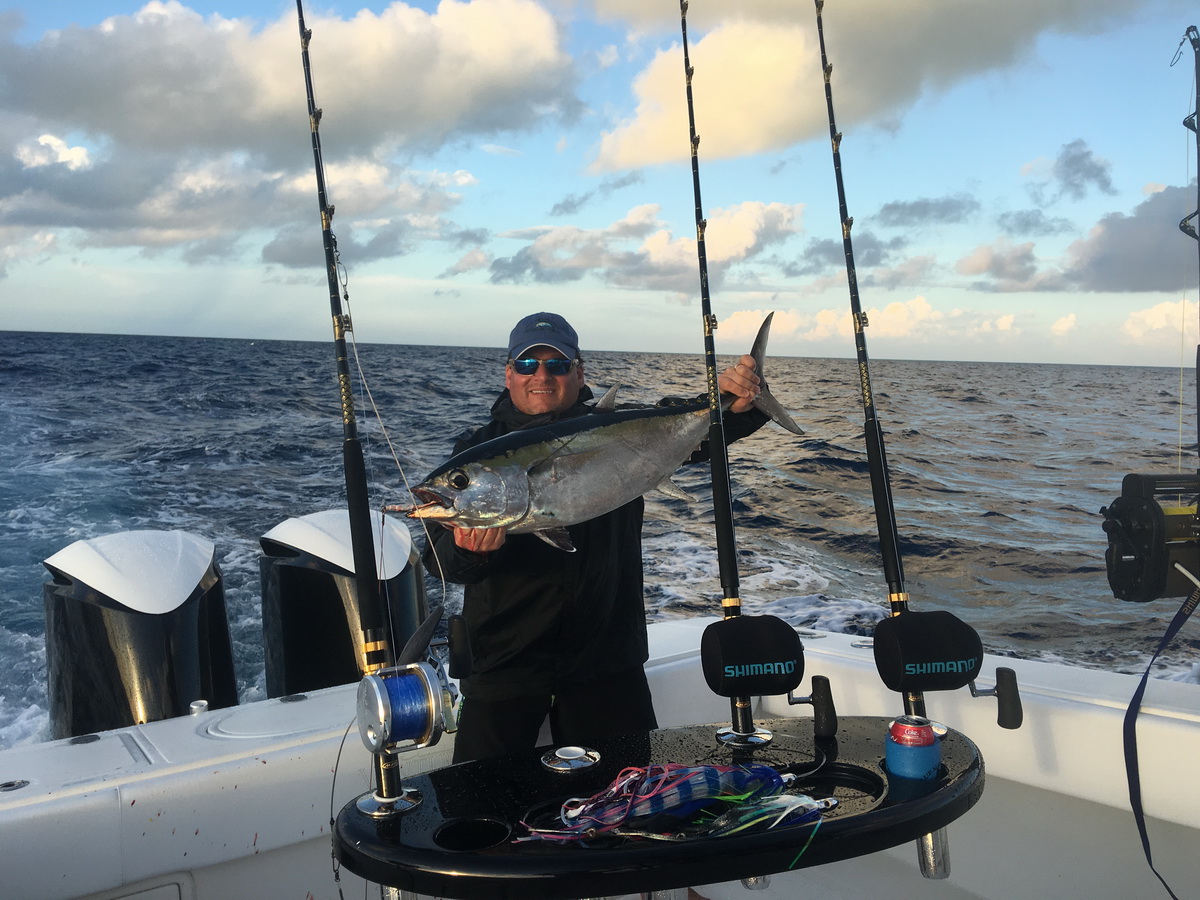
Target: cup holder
[466, 835]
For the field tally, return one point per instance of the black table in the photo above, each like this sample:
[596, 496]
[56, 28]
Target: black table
[458, 843]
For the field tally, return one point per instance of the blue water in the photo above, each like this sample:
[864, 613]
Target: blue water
[999, 471]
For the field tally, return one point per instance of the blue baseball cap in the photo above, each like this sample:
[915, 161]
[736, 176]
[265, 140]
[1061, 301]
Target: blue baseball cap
[543, 330]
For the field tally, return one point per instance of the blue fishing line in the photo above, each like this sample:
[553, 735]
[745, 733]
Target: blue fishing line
[410, 707]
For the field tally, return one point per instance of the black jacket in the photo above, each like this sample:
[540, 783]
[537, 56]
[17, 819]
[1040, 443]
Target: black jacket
[539, 617]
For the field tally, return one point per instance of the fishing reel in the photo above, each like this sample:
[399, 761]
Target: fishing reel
[401, 709]
[405, 707]
[1153, 537]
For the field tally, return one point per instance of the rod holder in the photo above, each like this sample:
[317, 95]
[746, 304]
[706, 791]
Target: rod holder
[933, 855]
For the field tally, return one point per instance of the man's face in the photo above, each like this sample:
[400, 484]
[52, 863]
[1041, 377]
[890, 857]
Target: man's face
[542, 392]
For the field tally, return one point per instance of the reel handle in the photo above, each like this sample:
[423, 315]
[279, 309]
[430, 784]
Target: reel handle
[1009, 713]
[825, 723]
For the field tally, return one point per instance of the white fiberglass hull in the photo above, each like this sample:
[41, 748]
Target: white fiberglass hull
[236, 803]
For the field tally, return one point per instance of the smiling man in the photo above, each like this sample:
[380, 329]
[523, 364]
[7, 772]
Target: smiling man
[554, 633]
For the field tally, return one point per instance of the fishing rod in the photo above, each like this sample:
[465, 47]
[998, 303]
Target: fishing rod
[743, 729]
[881, 486]
[722, 496]
[377, 652]
[906, 640]
[1186, 226]
[1147, 558]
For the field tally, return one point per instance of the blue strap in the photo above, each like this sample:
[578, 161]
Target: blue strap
[1130, 732]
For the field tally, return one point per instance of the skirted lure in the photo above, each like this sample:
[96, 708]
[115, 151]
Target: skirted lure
[626, 807]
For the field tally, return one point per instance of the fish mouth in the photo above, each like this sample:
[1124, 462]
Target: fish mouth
[432, 506]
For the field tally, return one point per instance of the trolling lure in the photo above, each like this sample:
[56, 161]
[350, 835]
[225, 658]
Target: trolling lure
[636, 796]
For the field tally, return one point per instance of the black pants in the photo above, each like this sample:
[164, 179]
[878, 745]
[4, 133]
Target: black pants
[579, 714]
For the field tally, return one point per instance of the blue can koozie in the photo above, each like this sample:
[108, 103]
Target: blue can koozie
[913, 749]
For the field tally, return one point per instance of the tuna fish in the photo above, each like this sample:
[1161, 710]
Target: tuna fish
[541, 480]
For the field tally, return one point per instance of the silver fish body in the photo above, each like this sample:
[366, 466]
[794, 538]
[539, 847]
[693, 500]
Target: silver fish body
[542, 480]
[565, 473]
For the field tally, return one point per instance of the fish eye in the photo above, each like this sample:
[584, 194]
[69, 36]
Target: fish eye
[459, 480]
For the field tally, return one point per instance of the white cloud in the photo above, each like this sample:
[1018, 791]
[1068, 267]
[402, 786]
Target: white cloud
[1064, 325]
[903, 319]
[912, 322]
[608, 56]
[1164, 323]
[638, 252]
[757, 63]
[49, 150]
[732, 65]
[203, 120]
[17, 245]
[470, 261]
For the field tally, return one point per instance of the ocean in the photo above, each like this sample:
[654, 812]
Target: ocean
[998, 474]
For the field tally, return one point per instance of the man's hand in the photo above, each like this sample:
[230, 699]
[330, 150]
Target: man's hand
[742, 381]
[479, 540]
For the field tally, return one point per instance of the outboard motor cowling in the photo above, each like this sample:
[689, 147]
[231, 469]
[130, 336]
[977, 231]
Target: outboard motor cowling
[312, 637]
[136, 631]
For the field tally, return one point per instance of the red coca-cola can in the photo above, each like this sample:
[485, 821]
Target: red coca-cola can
[913, 749]
[912, 731]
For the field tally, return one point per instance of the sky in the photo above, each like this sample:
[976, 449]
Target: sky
[1016, 173]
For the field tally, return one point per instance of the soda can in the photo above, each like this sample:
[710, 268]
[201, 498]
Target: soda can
[913, 749]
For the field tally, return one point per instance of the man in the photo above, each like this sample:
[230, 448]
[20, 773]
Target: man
[556, 633]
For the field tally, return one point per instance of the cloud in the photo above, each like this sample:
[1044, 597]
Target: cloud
[19, 245]
[1072, 175]
[49, 150]
[639, 252]
[1002, 261]
[758, 68]
[825, 255]
[732, 66]
[910, 272]
[1166, 323]
[470, 261]
[926, 211]
[1143, 251]
[572, 203]
[197, 125]
[914, 322]
[1007, 267]
[900, 319]
[1064, 325]
[1077, 170]
[1033, 222]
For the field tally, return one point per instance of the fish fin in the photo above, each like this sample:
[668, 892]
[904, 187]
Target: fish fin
[773, 408]
[765, 401]
[557, 537]
[608, 402]
[671, 489]
[417, 647]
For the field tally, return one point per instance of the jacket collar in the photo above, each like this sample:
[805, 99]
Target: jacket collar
[504, 412]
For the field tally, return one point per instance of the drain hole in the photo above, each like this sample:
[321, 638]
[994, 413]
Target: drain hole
[471, 834]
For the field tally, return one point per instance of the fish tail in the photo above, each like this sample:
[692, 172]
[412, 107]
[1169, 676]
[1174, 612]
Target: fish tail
[766, 401]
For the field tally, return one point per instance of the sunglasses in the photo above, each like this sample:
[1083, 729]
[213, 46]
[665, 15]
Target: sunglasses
[557, 366]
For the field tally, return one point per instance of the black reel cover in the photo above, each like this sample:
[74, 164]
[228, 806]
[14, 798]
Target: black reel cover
[927, 651]
[751, 656]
